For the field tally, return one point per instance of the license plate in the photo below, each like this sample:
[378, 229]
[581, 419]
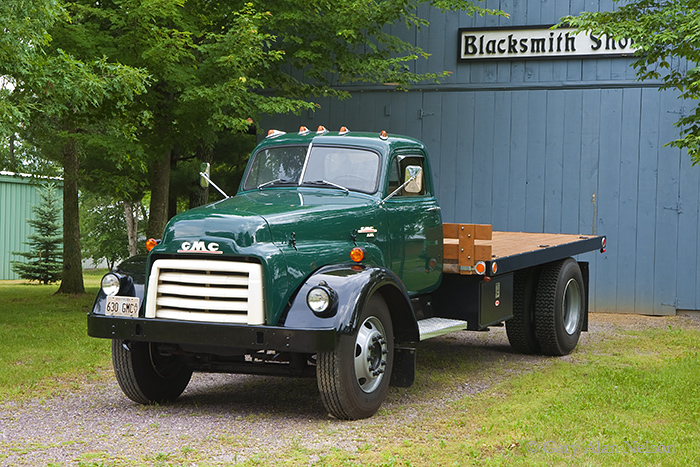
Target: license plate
[122, 306]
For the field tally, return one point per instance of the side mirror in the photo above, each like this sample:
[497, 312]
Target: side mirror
[205, 181]
[204, 172]
[414, 176]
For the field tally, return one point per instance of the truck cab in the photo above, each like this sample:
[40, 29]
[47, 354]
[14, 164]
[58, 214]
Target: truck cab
[323, 226]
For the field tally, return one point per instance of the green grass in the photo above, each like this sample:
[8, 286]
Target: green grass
[43, 339]
[599, 406]
[613, 405]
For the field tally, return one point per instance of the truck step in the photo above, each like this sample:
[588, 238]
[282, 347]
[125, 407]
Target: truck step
[433, 327]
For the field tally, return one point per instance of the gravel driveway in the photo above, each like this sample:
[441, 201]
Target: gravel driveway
[232, 418]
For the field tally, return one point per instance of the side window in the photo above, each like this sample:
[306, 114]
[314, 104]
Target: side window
[397, 174]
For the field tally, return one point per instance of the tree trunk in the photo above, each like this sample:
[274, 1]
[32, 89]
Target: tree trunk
[72, 279]
[201, 196]
[13, 165]
[159, 178]
[132, 226]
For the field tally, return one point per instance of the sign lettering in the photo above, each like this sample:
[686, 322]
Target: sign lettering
[537, 43]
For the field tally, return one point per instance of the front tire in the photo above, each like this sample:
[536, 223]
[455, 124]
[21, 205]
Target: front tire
[354, 378]
[145, 376]
[560, 307]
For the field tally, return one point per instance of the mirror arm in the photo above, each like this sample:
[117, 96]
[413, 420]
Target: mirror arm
[206, 177]
[403, 185]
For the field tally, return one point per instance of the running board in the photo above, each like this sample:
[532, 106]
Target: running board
[433, 327]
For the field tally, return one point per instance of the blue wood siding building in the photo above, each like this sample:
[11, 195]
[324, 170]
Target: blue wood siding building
[566, 145]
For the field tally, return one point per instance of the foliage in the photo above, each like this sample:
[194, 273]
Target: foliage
[667, 36]
[216, 67]
[22, 39]
[44, 256]
[103, 229]
[78, 73]
[55, 99]
[336, 43]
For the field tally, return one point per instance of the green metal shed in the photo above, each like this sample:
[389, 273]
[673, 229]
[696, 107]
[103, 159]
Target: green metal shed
[18, 194]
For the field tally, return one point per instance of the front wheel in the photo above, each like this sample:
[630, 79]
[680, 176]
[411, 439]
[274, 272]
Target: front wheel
[560, 307]
[145, 375]
[354, 378]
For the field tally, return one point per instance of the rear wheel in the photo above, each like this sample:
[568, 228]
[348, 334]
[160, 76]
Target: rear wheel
[354, 378]
[145, 375]
[560, 307]
[521, 327]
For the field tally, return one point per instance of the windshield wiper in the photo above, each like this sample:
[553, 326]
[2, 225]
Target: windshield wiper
[326, 182]
[281, 181]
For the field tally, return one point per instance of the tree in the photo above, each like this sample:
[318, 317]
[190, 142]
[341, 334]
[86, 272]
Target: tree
[667, 36]
[47, 88]
[217, 66]
[44, 256]
[103, 224]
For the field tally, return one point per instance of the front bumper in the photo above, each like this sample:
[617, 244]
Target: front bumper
[236, 336]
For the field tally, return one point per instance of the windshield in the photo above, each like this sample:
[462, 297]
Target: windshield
[282, 164]
[333, 167]
[354, 169]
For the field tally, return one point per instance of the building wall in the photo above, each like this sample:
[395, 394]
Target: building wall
[17, 197]
[564, 146]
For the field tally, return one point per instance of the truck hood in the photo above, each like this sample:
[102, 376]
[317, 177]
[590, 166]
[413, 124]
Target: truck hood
[272, 215]
[307, 213]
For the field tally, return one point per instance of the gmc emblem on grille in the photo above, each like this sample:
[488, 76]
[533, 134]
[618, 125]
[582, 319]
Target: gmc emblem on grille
[199, 247]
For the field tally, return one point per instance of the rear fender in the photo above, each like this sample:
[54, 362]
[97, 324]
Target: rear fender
[352, 286]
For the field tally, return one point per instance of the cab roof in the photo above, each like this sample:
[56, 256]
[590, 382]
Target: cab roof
[381, 142]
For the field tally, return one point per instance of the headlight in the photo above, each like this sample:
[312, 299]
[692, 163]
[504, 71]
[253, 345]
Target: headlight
[318, 299]
[322, 300]
[110, 284]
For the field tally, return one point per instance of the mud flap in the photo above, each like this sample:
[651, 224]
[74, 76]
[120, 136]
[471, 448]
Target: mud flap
[404, 372]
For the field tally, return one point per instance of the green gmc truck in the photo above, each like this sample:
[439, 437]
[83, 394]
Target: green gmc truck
[331, 261]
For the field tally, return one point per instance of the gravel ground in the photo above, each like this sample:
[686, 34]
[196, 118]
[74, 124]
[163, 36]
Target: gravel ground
[234, 417]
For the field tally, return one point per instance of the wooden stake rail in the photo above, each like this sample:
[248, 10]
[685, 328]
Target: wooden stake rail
[466, 244]
[460, 248]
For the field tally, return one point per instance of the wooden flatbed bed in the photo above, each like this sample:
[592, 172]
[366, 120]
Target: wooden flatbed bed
[465, 245]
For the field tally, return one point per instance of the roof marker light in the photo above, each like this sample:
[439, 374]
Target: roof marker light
[343, 131]
[321, 130]
[275, 133]
[480, 268]
[304, 131]
[383, 135]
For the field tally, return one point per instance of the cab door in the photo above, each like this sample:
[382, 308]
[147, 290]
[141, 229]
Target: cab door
[415, 226]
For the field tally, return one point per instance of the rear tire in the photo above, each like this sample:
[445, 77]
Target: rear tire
[560, 307]
[521, 327]
[145, 376]
[354, 378]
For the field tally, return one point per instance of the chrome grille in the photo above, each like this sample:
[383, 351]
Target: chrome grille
[205, 290]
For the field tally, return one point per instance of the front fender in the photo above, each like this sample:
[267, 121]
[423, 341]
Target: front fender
[353, 285]
[132, 277]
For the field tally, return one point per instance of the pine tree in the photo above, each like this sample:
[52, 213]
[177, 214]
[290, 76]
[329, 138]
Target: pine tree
[45, 254]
